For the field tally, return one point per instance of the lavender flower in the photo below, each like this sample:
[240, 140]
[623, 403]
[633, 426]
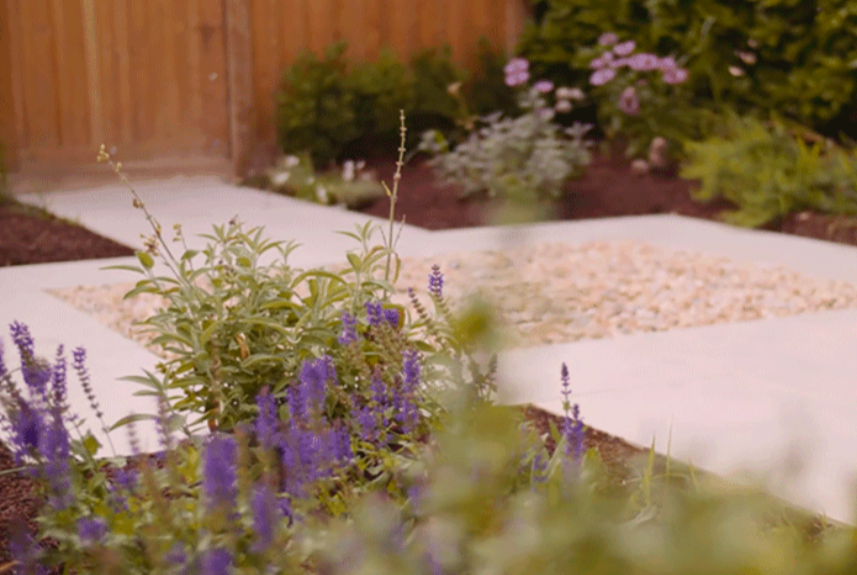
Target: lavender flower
[625, 48]
[314, 377]
[216, 562]
[602, 76]
[342, 445]
[374, 313]
[368, 424]
[349, 329]
[220, 475]
[36, 374]
[91, 530]
[436, 281]
[58, 379]
[411, 369]
[267, 420]
[392, 317]
[629, 102]
[79, 355]
[176, 555]
[264, 506]
[608, 39]
[24, 549]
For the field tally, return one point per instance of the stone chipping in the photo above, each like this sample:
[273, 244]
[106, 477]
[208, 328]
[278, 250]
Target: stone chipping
[556, 293]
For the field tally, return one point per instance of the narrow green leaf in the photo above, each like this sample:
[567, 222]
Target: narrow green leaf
[133, 418]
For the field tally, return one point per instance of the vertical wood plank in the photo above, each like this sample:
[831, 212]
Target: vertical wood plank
[516, 18]
[238, 45]
[8, 108]
[320, 30]
[39, 74]
[353, 27]
[20, 133]
[170, 103]
[122, 70]
[139, 56]
[374, 23]
[102, 66]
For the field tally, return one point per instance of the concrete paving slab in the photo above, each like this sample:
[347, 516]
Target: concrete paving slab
[736, 395]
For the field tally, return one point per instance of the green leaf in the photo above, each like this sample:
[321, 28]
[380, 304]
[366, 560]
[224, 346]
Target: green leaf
[133, 418]
[145, 259]
[189, 254]
[123, 267]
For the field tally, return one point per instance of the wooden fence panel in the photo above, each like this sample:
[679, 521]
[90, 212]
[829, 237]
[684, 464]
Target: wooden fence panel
[282, 29]
[147, 77]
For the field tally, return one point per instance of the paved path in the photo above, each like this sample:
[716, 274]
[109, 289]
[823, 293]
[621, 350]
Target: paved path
[751, 395]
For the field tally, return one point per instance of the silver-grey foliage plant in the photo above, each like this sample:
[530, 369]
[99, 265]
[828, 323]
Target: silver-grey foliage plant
[522, 159]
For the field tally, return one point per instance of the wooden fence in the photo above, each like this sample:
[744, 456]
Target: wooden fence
[194, 78]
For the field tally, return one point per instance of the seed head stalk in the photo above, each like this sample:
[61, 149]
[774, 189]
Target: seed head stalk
[394, 193]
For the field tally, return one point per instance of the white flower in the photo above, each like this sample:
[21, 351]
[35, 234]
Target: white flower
[736, 71]
[321, 194]
[563, 106]
[348, 171]
[291, 161]
[747, 57]
[576, 94]
[360, 165]
[280, 178]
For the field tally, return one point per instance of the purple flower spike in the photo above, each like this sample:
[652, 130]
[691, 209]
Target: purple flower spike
[629, 102]
[608, 39]
[436, 281]
[543, 86]
[267, 421]
[625, 48]
[602, 76]
[91, 530]
[220, 476]
[216, 562]
[264, 519]
[392, 317]
[349, 329]
[374, 313]
[411, 370]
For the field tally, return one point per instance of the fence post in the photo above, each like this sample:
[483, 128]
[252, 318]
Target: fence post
[8, 132]
[239, 66]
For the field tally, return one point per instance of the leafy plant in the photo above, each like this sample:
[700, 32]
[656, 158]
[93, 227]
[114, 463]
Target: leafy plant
[315, 106]
[756, 55]
[435, 104]
[636, 106]
[768, 172]
[523, 159]
[382, 88]
[486, 90]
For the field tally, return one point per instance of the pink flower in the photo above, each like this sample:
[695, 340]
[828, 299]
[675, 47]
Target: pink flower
[516, 65]
[543, 86]
[666, 63]
[629, 102]
[643, 62]
[602, 76]
[517, 72]
[608, 39]
[625, 48]
[619, 63]
[597, 63]
[517, 79]
[675, 75]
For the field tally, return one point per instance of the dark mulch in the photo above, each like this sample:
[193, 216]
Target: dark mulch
[30, 235]
[608, 189]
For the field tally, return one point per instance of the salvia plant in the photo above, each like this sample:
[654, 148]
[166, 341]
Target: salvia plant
[352, 467]
[523, 159]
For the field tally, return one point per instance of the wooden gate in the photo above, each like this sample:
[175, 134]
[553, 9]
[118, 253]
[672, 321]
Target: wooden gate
[148, 78]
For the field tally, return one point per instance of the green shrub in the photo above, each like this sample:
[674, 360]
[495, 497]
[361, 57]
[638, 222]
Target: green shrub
[315, 106]
[768, 173]
[381, 88]
[793, 57]
[486, 90]
[435, 105]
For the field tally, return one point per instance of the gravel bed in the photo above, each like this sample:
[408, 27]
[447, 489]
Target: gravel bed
[554, 293]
